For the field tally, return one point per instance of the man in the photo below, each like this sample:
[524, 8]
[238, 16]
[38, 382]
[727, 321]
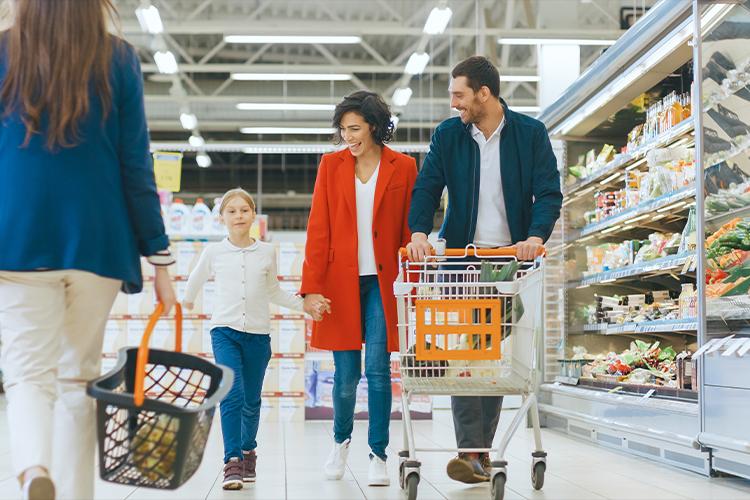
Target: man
[503, 189]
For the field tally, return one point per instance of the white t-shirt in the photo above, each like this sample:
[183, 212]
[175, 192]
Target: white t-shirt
[246, 282]
[492, 221]
[365, 201]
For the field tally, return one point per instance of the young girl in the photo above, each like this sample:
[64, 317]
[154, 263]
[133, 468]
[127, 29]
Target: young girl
[246, 281]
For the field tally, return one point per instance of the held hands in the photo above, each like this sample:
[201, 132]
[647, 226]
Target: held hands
[316, 305]
[419, 247]
[164, 289]
[529, 249]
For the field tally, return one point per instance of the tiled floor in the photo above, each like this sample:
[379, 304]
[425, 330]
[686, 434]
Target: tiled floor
[291, 457]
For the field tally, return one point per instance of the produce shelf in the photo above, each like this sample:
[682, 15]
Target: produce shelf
[622, 160]
[679, 326]
[664, 265]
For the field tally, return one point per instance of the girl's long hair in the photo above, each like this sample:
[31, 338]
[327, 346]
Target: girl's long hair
[56, 51]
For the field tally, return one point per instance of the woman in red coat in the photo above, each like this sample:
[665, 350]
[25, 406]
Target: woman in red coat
[358, 221]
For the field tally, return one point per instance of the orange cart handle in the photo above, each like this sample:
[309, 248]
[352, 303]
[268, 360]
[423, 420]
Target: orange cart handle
[478, 252]
[142, 357]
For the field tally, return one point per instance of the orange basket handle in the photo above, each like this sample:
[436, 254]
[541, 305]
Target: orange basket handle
[478, 252]
[142, 357]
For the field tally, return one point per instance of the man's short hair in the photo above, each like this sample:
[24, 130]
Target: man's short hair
[479, 72]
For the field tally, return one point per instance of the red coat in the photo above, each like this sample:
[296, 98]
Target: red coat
[331, 254]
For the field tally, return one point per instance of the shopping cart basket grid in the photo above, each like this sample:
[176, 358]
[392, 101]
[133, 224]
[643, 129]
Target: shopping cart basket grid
[460, 335]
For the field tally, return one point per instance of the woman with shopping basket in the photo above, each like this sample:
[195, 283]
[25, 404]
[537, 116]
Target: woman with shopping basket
[78, 206]
[246, 282]
[358, 221]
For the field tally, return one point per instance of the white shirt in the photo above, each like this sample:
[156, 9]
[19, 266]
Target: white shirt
[492, 221]
[365, 202]
[246, 282]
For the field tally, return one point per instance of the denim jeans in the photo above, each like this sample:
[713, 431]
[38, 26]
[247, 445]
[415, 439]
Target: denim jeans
[247, 354]
[348, 372]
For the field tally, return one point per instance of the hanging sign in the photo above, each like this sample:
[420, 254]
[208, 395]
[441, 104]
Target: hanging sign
[168, 170]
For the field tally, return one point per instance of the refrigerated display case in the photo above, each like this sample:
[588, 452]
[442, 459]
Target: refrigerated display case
[722, 66]
[627, 237]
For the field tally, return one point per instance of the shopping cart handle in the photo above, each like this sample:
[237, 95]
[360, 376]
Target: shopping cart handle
[472, 251]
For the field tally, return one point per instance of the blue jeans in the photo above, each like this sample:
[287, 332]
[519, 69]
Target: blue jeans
[247, 354]
[348, 372]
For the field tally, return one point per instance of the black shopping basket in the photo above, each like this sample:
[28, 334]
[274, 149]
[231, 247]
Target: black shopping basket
[154, 412]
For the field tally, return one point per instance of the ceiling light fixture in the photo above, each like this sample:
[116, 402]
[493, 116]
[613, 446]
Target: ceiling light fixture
[196, 141]
[286, 130]
[166, 62]
[437, 21]
[203, 160]
[401, 96]
[417, 63]
[262, 106]
[296, 39]
[149, 19]
[189, 121]
[311, 77]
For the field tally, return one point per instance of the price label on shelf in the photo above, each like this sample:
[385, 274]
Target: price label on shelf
[168, 170]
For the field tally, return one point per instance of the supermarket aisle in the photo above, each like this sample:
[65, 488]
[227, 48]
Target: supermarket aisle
[291, 457]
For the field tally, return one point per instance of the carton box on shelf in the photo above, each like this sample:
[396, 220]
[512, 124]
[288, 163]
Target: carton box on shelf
[269, 409]
[271, 380]
[290, 258]
[143, 302]
[291, 409]
[120, 305]
[115, 336]
[291, 374]
[289, 335]
[186, 254]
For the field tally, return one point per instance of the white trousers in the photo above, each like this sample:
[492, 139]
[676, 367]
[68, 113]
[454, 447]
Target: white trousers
[52, 329]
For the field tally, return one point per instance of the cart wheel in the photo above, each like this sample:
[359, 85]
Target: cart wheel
[401, 483]
[537, 475]
[411, 486]
[498, 487]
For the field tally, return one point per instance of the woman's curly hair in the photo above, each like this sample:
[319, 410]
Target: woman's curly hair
[372, 108]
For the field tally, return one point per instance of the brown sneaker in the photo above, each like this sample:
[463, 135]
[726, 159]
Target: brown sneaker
[232, 474]
[466, 469]
[249, 459]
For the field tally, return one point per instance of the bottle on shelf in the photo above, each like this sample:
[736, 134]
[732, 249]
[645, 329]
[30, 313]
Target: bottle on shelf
[201, 218]
[179, 215]
[216, 226]
[685, 300]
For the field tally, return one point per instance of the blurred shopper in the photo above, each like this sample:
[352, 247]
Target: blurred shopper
[78, 205]
[503, 189]
[246, 282]
[358, 221]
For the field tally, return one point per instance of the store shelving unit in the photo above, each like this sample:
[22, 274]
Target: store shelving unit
[661, 423]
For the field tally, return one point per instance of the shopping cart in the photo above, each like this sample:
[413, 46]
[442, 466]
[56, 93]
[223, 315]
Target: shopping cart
[154, 412]
[469, 324]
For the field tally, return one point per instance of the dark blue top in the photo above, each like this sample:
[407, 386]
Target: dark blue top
[92, 207]
[531, 181]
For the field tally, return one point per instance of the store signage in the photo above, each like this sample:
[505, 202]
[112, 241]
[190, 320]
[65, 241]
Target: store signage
[168, 170]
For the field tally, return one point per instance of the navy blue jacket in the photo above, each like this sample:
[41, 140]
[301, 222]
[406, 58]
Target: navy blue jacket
[92, 207]
[531, 181]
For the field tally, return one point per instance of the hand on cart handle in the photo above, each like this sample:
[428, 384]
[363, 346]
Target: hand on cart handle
[164, 289]
[530, 249]
[419, 247]
[316, 305]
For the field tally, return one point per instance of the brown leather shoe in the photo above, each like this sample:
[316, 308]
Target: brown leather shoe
[249, 460]
[232, 475]
[466, 469]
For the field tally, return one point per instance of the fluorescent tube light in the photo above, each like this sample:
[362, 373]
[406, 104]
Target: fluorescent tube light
[203, 160]
[610, 178]
[553, 41]
[401, 96]
[308, 77]
[526, 109]
[196, 141]
[189, 121]
[519, 78]
[636, 219]
[166, 62]
[149, 19]
[262, 106]
[286, 130]
[437, 21]
[301, 39]
[417, 63]
[611, 229]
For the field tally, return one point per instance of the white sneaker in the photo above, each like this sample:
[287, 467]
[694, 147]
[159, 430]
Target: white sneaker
[336, 463]
[378, 474]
